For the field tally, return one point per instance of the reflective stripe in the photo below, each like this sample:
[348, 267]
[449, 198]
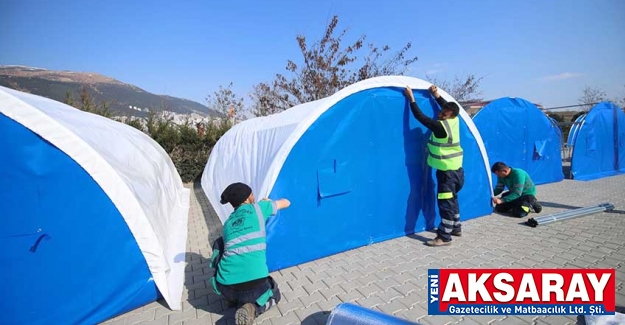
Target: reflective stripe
[265, 297]
[446, 153]
[245, 249]
[445, 195]
[438, 144]
[453, 155]
[450, 136]
[261, 220]
[240, 239]
[448, 222]
[526, 209]
[228, 250]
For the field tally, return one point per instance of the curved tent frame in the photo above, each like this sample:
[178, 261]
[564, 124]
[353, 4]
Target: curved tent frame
[579, 122]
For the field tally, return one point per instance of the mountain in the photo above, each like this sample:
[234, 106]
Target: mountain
[124, 99]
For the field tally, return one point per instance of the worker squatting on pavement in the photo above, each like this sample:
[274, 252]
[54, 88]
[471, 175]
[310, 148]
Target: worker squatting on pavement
[239, 256]
[445, 155]
[520, 199]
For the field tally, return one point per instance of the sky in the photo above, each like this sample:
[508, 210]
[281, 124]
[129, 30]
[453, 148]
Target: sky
[544, 51]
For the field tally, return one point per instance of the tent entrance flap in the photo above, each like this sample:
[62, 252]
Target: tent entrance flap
[333, 178]
[539, 148]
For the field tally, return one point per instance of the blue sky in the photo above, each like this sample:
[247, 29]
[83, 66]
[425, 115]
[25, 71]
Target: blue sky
[544, 51]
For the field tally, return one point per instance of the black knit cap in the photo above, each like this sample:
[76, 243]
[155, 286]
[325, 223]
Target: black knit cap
[235, 194]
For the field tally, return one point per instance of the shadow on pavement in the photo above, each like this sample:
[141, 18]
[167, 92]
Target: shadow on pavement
[558, 205]
[319, 317]
[422, 238]
[204, 297]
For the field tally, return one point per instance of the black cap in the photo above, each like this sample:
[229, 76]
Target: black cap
[235, 194]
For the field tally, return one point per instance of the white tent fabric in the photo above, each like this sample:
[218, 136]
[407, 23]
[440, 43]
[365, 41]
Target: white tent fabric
[132, 169]
[255, 150]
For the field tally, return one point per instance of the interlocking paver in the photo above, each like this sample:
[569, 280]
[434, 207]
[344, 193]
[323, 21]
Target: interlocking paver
[391, 276]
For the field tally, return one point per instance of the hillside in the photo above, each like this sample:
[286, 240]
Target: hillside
[121, 96]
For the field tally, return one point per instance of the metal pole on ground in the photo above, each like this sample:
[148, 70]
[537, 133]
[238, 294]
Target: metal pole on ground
[566, 215]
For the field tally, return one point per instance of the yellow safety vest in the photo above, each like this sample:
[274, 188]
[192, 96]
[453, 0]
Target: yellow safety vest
[446, 153]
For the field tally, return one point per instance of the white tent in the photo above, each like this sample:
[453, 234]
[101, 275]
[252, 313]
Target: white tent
[338, 154]
[139, 183]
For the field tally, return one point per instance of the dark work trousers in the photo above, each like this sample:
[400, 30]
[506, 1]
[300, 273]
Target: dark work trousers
[450, 182]
[238, 295]
[519, 207]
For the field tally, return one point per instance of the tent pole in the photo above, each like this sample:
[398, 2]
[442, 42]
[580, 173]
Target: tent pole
[566, 215]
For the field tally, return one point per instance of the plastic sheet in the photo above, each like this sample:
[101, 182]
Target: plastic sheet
[350, 314]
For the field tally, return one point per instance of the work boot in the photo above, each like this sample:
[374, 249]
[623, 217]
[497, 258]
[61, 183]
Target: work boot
[537, 207]
[438, 242]
[457, 233]
[245, 315]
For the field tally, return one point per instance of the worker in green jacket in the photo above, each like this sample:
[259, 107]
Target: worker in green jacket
[240, 258]
[520, 198]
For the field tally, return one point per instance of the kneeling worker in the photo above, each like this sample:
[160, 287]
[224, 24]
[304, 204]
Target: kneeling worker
[520, 198]
[240, 261]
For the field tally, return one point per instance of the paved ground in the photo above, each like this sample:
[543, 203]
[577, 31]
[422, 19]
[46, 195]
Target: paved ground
[391, 276]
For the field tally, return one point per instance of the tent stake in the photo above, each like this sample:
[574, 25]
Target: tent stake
[534, 222]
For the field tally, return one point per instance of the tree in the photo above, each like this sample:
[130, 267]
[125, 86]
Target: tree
[590, 97]
[327, 67]
[462, 89]
[557, 117]
[578, 114]
[226, 102]
[87, 103]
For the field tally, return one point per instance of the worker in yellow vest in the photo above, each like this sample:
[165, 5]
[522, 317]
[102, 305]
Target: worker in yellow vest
[445, 155]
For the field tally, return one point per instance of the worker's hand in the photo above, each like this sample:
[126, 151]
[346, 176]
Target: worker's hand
[434, 91]
[408, 93]
[497, 200]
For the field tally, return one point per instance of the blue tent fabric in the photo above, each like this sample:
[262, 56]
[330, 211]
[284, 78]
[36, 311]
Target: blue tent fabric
[46, 264]
[599, 144]
[357, 175]
[382, 187]
[516, 132]
[556, 126]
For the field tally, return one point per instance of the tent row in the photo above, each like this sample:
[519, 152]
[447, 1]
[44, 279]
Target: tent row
[354, 165]
[94, 215]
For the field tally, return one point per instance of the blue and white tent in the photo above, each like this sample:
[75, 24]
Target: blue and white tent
[516, 132]
[94, 215]
[599, 143]
[353, 166]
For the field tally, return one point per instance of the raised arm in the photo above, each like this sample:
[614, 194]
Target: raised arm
[433, 125]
